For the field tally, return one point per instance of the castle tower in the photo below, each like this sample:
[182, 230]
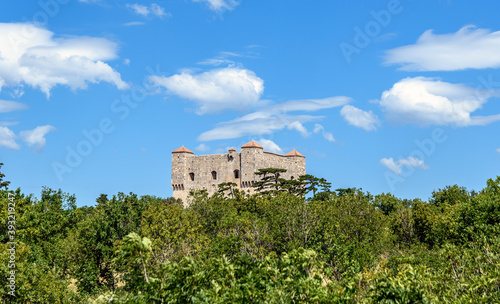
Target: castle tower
[180, 160]
[251, 156]
[296, 164]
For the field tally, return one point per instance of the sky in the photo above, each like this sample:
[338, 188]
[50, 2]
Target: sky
[387, 96]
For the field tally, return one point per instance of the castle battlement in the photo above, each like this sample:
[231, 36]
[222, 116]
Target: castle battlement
[199, 172]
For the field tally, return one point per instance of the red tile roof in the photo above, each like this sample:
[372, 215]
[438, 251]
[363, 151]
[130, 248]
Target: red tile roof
[252, 144]
[182, 150]
[232, 149]
[294, 153]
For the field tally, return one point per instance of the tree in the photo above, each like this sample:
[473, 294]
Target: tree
[93, 239]
[131, 256]
[3, 184]
[449, 195]
[223, 187]
[311, 183]
[270, 178]
[174, 231]
[292, 186]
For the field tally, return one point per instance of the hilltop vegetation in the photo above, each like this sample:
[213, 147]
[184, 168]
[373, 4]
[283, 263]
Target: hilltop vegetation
[342, 246]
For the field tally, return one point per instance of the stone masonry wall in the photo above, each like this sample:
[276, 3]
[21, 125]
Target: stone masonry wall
[246, 163]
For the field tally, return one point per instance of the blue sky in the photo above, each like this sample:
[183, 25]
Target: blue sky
[389, 96]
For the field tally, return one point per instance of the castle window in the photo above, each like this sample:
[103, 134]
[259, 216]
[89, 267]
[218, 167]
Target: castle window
[191, 176]
[292, 178]
[236, 173]
[214, 175]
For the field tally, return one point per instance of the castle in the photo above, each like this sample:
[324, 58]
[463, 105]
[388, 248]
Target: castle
[208, 171]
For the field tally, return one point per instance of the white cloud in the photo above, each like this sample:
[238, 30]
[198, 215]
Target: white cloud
[218, 61]
[8, 139]
[153, 10]
[269, 145]
[498, 150]
[215, 90]
[9, 106]
[8, 123]
[134, 23]
[258, 126]
[17, 92]
[396, 166]
[298, 126]
[469, 48]
[35, 138]
[139, 9]
[273, 118]
[202, 148]
[310, 105]
[359, 118]
[223, 58]
[220, 5]
[429, 101]
[327, 135]
[32, 55]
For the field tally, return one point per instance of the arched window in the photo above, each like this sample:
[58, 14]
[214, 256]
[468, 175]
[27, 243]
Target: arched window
[292, 178]
[236, 173]
[191, 176]
[214, 175]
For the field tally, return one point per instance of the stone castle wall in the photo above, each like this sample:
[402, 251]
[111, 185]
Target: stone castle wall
[199, 172]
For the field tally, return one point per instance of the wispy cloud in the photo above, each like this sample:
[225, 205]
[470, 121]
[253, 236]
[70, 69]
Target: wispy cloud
[202, 148]
[359, 118]
[146, 11]
[220, 5]
[8, 123]
[397, 166]
[35, 138]
[327, 135]
[298, 126]
[227, 58]
[273, 118]
[134, 23]
[429, 101]
[9, 106]
[469, 48]
[41, 61]
[215, 90]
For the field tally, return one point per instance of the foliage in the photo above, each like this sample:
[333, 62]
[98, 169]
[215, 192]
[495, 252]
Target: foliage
[3, 184]
[342, 246]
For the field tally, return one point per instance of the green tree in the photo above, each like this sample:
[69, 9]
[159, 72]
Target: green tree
[229, 186]
[269, 180]
[91, 243]
[175, 232]
[3, 184]
[311, 182]
[131, 257]
[450, 195]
